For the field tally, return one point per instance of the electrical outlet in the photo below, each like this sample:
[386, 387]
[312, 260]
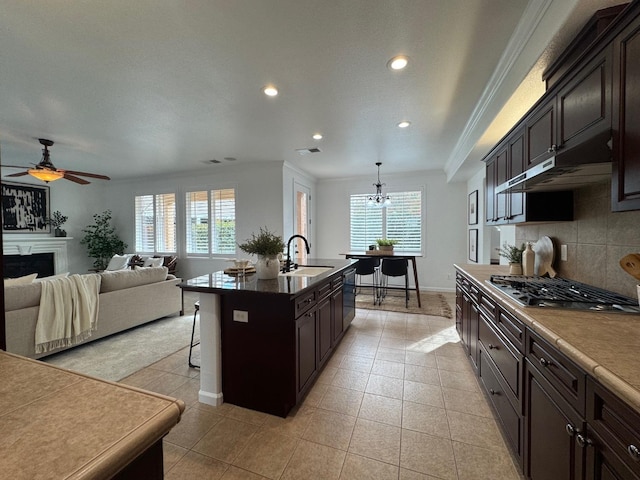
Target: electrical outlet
[563, 253]
[240, 316]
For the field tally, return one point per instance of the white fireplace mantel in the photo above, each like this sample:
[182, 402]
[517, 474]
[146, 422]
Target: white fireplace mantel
[30, 244]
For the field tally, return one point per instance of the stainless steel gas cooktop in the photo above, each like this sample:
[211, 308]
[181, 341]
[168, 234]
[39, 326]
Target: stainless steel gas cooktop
[561, 293]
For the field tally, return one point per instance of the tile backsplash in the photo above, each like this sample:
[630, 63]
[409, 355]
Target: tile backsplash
[596, 240]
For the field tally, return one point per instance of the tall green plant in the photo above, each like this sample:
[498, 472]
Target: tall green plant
[101, 240]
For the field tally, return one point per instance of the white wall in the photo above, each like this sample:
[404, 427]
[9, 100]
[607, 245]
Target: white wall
[445, 234]
[259, 201]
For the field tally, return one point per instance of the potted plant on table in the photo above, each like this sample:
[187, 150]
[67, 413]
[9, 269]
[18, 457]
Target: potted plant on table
[268, 247]
[56, 220]
[101, 240]
[386, 244]
[513, 255]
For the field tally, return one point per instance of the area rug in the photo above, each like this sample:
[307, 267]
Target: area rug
[118, 356]
[432, 303]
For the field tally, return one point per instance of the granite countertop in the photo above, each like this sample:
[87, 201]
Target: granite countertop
[59, 424]
[605, 345]
[221, 283]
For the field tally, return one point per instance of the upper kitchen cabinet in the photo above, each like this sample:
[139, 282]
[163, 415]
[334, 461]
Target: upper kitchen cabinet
[625, 180]
[541, 134]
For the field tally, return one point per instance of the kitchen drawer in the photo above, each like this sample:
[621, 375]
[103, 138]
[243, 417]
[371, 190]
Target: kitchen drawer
[511, 420]
[304, 302]
[324, 290]
[506, 357]
[562, 373]
[336, 283]
[617, 426]
[511, 327]
[488, 306]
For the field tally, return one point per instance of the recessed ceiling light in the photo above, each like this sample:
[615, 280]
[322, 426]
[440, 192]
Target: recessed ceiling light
[270, 90]
[317, 136]
[398, 62]
[404, 124]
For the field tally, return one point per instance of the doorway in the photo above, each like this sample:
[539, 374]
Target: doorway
[302, 221]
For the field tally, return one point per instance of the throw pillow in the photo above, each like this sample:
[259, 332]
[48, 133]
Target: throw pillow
[118, 262]
[153, 262]
[27, 279]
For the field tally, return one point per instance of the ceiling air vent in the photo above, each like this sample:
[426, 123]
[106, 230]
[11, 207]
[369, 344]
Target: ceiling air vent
[307, 151]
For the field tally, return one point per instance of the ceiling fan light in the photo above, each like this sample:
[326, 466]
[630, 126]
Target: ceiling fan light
[45, 175]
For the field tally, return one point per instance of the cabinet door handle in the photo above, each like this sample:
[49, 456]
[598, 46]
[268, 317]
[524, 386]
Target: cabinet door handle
[494, 392]
[633, 452]
[309, 300]
[553, 148]
[571, 430]
[583, 441]
[544, 362]
[492, 347]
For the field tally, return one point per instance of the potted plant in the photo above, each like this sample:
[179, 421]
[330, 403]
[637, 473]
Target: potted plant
[386, 244]
[56, 220]
[101, 240]
[513, 255]
[268, 247]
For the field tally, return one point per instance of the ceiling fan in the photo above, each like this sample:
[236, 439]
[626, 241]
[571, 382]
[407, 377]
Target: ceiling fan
[47, 172]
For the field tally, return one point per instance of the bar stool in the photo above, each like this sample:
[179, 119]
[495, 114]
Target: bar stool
[369, 266]
[395, 267]
[193, 332]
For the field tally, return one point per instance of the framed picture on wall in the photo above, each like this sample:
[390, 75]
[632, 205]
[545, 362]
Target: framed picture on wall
[25, 208]
[473, 244]
[473, 207]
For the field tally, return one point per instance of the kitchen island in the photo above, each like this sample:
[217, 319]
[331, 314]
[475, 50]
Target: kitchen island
[263, 342]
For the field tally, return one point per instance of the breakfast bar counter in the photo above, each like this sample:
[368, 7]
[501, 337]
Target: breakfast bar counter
[60, 424]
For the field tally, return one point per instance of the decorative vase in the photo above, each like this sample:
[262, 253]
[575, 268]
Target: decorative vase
[58, 232]
[515, 268]
[267, 267]
[386, 248]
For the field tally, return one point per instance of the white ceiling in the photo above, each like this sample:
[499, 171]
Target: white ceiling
[123, 86]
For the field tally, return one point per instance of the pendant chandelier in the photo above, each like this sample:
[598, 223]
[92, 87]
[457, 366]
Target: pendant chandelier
[379, 199]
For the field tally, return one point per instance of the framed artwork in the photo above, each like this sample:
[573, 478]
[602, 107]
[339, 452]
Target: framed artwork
[473, 245]
[25, 208]
[473, 208]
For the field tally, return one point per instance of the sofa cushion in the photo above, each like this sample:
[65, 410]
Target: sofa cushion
[22, 296]
[153, 262]
[112, 281]
[8, 282]
[52, 277]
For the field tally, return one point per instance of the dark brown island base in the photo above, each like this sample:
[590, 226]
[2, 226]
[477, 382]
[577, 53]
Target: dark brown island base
[274, 335]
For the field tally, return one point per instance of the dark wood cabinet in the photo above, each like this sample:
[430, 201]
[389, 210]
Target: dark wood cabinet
[306, 352]
[560, 423]
[490, 191]
[584, 102]
[540, 131]
[613, 436]
[625, 179]
[337, 318]
[325, 337]
[552, 427]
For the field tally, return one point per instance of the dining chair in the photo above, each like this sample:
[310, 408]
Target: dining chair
[394, 267]
[193, 333]
[369, 266]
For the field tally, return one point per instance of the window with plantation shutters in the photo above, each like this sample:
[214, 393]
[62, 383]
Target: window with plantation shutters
[211, 222]
[155, 219]
[401, 221]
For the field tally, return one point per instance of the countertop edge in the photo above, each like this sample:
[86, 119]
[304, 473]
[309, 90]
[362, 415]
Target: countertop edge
[623, 389]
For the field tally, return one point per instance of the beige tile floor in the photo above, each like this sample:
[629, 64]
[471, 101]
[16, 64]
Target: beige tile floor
[397, 400]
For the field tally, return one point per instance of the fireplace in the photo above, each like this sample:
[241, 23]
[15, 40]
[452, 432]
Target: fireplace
[21, 265]
[32, 246]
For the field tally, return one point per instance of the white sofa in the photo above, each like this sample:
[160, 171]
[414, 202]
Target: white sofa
[128, 298]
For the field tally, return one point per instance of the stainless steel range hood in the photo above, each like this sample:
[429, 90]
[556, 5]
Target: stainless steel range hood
[584, 164]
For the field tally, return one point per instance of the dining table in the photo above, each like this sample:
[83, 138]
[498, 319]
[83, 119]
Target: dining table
[382, 254]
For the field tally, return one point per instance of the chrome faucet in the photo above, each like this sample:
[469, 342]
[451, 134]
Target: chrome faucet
[287, 264]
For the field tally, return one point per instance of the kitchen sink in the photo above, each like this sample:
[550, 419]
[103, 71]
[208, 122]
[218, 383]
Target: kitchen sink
[306, 272]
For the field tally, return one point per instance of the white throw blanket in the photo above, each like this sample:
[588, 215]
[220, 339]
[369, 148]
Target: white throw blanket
[68, 311]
